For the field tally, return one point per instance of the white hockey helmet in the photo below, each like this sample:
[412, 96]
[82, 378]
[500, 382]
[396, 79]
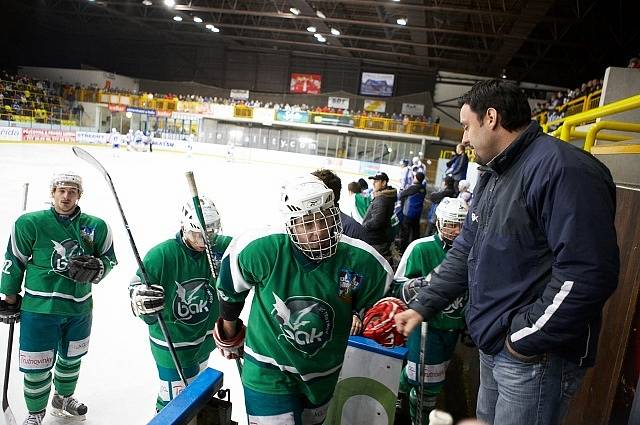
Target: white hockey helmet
[190, 222]
[450, 214]
[416, 160]
[66, 179]
[311, 218]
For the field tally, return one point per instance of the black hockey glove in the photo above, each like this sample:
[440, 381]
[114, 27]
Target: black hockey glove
[85, 269]
[10, 313]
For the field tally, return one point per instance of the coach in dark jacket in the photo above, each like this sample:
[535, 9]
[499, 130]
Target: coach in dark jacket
[377, 220]
[538, 255]
[412, 200]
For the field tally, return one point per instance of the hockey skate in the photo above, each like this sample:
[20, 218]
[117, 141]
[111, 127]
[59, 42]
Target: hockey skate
[68, 407]
[34, 418]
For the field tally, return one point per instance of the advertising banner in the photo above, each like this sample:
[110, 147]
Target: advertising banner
[92, 137]
[37, 135]
[292, 116]
[371, 105]
[239, 94]
[144, 111]
[13, 134]
[412, 109]
[338, 102]
[305, 83]
[117, 108]
[373, 84]
[332, 119]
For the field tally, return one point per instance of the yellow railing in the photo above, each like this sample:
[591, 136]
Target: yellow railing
[569, 123]
[576, 106]
[589, 141]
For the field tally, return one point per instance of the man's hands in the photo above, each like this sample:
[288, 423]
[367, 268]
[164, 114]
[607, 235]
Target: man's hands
[407, 321]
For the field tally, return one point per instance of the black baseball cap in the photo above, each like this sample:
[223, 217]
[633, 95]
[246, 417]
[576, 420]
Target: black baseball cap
[380, 176]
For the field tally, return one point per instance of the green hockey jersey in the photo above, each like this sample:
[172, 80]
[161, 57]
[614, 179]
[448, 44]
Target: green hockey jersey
[39, 249]
[419, 259]
[191, 304]
[302, 310]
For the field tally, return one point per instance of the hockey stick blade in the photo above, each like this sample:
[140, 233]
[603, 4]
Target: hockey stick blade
[86, 156]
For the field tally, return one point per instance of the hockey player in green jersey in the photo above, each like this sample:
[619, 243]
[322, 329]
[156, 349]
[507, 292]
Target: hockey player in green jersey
[419, 259]
[182, 290]
[60, 252]
[308, 279]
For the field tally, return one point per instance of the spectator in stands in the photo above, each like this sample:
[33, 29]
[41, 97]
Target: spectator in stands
[634, 62]
[377, 220]
[418, 166]
[457, 165]
[411, 201]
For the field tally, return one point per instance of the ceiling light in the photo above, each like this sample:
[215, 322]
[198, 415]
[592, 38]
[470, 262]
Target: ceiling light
[177, 18]
[209, 27]
[335, 31]
[294, 10]
[320, 38]
[169, 3]
[398, 1]
[317, 35]
[320, 15]
[311, 29]
[215, 29]
[401, 21]
[197, 20]
[147, 2]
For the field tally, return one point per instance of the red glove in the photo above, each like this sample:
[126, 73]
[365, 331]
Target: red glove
[230, 348]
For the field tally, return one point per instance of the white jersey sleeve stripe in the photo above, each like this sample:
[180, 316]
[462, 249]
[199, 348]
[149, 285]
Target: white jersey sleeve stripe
[402, 267]
[108, 241]
[365, 246]
[14, 247]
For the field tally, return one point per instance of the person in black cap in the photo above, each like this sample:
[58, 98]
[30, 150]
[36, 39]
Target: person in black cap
[411, 202]
[377, 220]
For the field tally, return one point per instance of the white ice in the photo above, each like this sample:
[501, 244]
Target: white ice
[118, 379]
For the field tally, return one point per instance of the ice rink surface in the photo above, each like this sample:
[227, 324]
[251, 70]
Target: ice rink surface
[118, 379]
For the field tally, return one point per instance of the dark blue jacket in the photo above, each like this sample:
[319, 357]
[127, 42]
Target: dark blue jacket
[412, 200]
[537, 252]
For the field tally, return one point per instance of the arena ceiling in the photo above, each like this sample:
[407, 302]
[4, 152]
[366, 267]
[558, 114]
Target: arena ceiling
[558, 42]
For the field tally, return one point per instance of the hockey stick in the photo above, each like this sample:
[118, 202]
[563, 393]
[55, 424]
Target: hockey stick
[195, 197]
[423, 343]
[82, 154]
[8, 414]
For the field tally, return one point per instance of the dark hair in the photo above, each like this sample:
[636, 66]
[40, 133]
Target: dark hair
[354, 187]
[503, 96]
[449, 181]
[420, 176]
[332, 181]
[363, 184]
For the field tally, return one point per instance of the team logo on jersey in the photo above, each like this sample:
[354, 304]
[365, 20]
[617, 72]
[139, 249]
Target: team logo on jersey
[454, 310]
[87, 233]
[62, 252]
[306, 322]
[349, 281]
[193, 301]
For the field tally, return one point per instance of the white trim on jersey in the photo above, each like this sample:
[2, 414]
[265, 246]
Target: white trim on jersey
[365, 246]
[290, 369]
[402, 267]
[57, 295]
[182, 344]
[14, 247]
[108, 241]
[236, 246]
